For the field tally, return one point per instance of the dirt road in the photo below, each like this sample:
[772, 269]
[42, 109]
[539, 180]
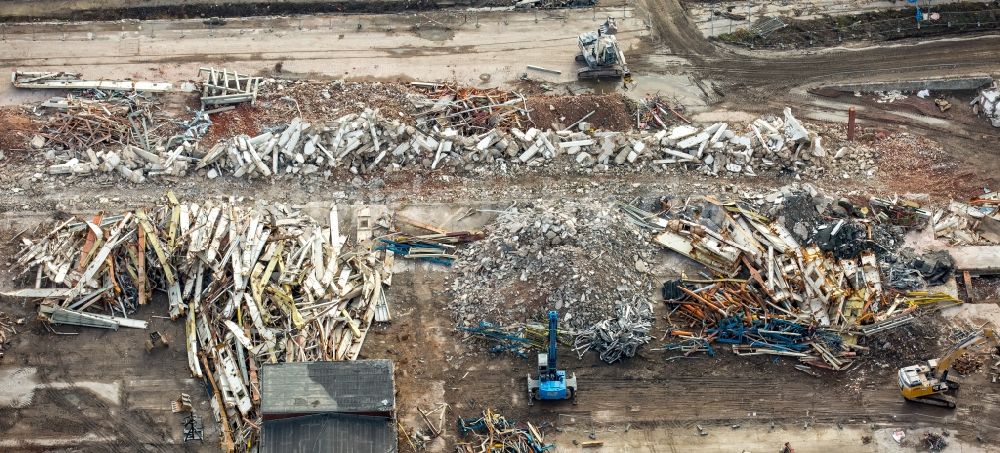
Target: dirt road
[95, 389]
[474, 49]
[780, 70]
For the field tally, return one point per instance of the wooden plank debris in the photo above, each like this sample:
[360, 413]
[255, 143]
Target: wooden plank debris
[252, 284]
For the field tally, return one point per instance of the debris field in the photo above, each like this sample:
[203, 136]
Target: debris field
[263, 257]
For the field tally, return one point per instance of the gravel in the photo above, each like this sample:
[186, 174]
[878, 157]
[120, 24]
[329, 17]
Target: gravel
[582, 259]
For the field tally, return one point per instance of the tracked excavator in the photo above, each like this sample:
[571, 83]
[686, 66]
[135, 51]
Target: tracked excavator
[552, 383]
[929, 383]
[602, 54]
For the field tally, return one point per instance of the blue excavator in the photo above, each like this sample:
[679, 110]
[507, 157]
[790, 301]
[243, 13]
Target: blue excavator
[552, 383]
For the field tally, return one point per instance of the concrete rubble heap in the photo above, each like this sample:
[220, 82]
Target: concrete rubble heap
[582, 259]
[133, 123]
[974, 223]
[367, 142]
[808, 295]
[252, 284]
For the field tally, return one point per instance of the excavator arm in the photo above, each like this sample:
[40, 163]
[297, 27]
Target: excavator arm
[973, 340]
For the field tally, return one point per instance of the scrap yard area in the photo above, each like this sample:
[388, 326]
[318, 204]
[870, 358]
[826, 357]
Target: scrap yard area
[504, 226]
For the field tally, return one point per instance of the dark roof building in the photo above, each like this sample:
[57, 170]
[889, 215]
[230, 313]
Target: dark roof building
[329, 433]
[346, 406]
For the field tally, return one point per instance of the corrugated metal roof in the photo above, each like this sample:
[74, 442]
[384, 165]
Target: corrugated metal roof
[359, 386]
[329, 433]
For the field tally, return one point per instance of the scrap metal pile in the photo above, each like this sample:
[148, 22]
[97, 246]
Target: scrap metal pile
[469, 110]
[253, 284]
[458, 129]
[495, 433]
[96, 120]
[582, 259]
[656, 112]
[771, 292]
[120, 132]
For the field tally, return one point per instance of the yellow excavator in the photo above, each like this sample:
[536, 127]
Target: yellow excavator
[929, 383]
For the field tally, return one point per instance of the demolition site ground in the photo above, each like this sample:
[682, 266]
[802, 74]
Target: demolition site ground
[71, 388]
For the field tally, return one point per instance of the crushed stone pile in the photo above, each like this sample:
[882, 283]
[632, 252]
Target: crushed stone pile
[583, 260]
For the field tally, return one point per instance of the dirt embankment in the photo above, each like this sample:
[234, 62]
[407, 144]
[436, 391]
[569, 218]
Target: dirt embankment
[888, 25]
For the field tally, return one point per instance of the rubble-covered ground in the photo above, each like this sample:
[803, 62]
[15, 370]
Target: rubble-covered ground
[580, 258]
[558, 242]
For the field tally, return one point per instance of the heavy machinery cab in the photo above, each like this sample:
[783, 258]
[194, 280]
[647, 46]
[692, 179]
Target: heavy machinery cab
[918, 380]
[601, 53]
[554, 389]
[599, 50]
[910, 377]
[552, 383]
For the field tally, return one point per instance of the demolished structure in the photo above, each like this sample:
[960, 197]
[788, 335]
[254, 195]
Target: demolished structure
[456, 129]
[808, 294]
[253, 285]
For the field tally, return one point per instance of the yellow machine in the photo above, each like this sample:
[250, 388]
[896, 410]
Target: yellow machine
[928, 383]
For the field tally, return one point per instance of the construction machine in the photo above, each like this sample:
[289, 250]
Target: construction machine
[552, 383]
[602, 54]
[929, 383]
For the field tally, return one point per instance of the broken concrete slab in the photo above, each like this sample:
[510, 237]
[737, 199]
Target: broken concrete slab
[977, 260]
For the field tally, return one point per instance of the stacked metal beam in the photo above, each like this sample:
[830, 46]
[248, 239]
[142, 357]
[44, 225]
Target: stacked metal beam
[222, 87]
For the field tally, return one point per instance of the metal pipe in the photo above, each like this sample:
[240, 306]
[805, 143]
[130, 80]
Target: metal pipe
[851, 123]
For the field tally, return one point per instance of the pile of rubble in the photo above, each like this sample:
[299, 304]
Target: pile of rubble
[935, 442]
[453, 135]
[808, 295]
[494, 432]
[8, 328]
[469, 110]
[280, 99]
[974, 223]
[967, 364]
[583, 260]
[253, 285]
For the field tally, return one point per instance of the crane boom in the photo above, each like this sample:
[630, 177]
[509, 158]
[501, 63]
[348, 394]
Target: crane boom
[552, 383]
[553, 327]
